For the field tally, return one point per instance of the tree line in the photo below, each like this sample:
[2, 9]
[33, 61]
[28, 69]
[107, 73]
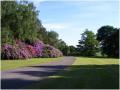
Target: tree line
[20, 22]
[105, 43]
[23, 35]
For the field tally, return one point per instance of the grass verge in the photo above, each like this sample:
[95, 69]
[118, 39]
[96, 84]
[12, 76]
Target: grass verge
[12, 64]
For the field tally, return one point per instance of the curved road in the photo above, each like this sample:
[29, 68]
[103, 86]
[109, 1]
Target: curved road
[18, 78]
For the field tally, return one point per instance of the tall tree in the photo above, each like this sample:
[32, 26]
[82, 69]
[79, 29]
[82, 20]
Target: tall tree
[108, 37]
[42, 33]
[8, 10]
[19, 20]
[52, 38]
[73, 50]
[61, 45]
[88, 45]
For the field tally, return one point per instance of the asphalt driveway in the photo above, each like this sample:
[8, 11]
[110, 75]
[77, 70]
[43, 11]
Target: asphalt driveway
[18, 78]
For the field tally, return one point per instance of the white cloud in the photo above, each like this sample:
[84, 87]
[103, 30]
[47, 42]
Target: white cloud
[55, 26]
[37, 2]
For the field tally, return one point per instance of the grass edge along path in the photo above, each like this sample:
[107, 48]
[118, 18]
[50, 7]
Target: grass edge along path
[88, 62]
[95, 61]
[13, 64]
[102, 72]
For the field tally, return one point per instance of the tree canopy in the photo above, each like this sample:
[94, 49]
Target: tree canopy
[88, 45]
[108, 37]
[19, 21]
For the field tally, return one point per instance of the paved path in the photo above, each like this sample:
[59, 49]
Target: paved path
[18, 78]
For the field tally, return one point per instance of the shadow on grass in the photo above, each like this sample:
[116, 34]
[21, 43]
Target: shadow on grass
[77, 77]
[83, 77]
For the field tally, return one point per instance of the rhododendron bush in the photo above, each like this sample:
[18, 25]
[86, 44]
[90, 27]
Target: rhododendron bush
[38, 47]
[21, 50]
[50, 51]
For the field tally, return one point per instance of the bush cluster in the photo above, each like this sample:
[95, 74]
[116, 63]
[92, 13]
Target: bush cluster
[50, 51]
[21, 50]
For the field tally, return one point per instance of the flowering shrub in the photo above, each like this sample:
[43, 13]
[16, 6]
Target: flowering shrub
[38, 46]
[14, 52]
[50, 51]
[22, 51]
[31, 50]
[9, 52]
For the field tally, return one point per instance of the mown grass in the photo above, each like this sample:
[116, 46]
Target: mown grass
[85, 73]
[95, 61]
[12, 64]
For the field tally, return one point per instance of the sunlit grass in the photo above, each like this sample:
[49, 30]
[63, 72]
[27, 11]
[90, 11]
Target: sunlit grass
[12, 64]
[95, 61]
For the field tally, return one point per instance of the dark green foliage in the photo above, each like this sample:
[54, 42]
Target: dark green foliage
[104, 32]
[19, 20]
[63, 47]
[73, 51]
[7, 20]
[88, 45]
[42, 33]
[52, 38]
[109, 39]
[6, 35]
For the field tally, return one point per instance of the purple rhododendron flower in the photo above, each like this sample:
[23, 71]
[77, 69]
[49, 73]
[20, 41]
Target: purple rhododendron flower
[38, 46]
[21, 50]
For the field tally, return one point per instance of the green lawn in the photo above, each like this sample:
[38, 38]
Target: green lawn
[85, 73]
[12, 64]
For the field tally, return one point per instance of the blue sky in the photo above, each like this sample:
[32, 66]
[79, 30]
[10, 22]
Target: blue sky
[70, 18]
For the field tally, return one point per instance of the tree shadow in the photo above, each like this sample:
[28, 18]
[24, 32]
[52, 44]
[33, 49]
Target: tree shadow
[43, 71]
[15, 83]
[82, 77]
[77, 77]
[38, 71]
